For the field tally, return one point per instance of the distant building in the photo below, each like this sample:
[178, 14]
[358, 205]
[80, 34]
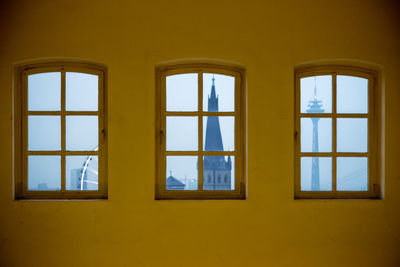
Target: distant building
[75, 181]
[90, 177]
[216, 170]
[43, 187]
[174, 184]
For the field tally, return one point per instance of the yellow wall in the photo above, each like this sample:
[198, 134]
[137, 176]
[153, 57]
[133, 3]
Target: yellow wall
[269, 228]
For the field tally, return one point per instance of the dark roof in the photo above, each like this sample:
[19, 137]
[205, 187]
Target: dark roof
[173, 181]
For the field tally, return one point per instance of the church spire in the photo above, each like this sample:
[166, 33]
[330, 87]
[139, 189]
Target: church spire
[213, 131]
[213, 98]
[216, 170]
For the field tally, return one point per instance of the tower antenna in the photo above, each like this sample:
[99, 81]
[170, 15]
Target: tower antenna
[315, 87]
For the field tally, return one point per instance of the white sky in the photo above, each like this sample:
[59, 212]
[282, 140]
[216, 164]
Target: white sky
[44, 132]
[44, 91]
[81, 91]
[82, 131]
[352, 97]
[181, 132]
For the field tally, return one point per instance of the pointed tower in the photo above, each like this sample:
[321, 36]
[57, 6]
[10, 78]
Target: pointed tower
[315, 106]
[213, 131]
[217, 170]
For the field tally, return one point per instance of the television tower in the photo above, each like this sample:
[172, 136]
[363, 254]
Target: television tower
[315, 106]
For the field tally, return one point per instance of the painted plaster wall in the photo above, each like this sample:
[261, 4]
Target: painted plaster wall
[269, 38]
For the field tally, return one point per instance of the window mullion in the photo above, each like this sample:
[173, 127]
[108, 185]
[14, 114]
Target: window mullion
[63, 131]
[101, 132]
[237, 133]
[334, 133]
[200, 131]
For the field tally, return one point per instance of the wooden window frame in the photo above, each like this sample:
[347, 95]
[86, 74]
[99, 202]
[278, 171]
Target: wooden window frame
[240, 134]
[374, 133]
[20, 130]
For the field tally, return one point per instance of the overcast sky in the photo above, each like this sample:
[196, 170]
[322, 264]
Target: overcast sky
[182, 131]
[352, 97]
[44, 91]
[44, 132]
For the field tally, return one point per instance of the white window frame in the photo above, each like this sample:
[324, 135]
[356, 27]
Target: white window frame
[20, 130]
[374, 133]
[240, 125]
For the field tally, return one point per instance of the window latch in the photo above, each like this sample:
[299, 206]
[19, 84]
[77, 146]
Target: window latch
[161, 136]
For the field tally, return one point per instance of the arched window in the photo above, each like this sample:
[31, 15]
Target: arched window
[195, 101]
[336, 132]
[62, 108]
[226, 178]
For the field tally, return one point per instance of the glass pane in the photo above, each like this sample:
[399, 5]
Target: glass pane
[44, 91]
[81, 91]
[82, 133]
[219, 173]
[218, 133]
[182, 92]
[316, 135]
[44, 133]
[44, 173]
[218, 92]
[181, 173]
[352, 174]
[352, 135]
[352, 94]
[182, 134]
[316, 174]
[316, 94]
[81, 173]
